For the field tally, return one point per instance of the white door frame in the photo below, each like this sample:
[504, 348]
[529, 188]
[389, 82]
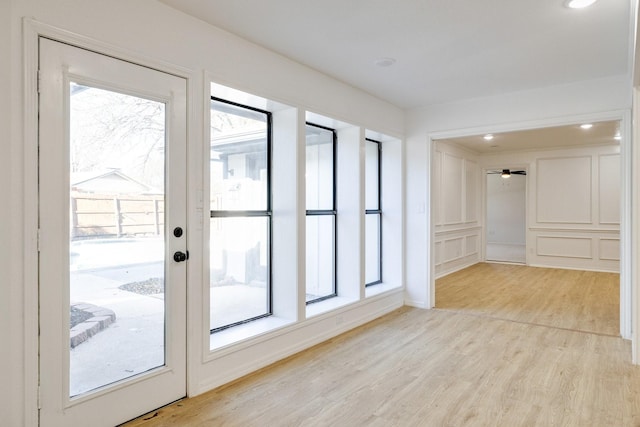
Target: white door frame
[164, 380]
[628, 287]
[32, 30]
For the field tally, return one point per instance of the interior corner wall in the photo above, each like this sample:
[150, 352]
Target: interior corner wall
[520, 110]
[156, 35]
[573, 205]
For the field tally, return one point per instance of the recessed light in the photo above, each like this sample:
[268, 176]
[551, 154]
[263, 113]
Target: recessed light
[586, 126]
[579, 4]
[488, 137]
[384, 62]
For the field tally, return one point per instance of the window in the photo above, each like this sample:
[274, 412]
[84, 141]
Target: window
[240, 228]
[321, 213]
[373, 213]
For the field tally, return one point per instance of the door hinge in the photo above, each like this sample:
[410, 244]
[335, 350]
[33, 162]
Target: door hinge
[39, 397]
[39, 82]
[38, 238]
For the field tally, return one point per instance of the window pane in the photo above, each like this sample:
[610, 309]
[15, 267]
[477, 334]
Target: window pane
[116, 269]
[319, 169]
[238, 158]
[372, 248]
[239, 259]
[372, 175]
[320, 256]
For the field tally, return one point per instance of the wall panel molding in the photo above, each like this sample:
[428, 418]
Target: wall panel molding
[471, 245]
[564, 247]
[609, 249]
[437, 188]
[448, 231]
[457, 250]
[577, 229]
[564, 190]
[471, 191]
[609, 189]
[452, 189]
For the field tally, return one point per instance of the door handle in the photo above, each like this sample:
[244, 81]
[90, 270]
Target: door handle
[180, 256]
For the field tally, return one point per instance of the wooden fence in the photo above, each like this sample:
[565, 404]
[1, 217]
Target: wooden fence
[100, 215]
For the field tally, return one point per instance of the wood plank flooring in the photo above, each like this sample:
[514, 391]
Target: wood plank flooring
[579, 300]
[437, 367]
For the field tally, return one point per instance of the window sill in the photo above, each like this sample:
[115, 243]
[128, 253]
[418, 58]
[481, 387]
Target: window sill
[379, 288]
[236, 334]
[327, 305]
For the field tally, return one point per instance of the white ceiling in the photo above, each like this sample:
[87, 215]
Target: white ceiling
[602, 133]
[446, 50]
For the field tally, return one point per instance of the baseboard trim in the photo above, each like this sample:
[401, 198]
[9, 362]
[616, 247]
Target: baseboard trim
[292, 340]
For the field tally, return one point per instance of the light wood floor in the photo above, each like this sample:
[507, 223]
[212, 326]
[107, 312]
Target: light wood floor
[433, 368]
[578, 300]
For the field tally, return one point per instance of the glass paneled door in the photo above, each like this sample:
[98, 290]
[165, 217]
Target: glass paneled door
[112, 212]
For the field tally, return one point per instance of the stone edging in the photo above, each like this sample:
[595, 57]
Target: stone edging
[101, 319]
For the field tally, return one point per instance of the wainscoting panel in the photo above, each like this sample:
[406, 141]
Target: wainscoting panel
[593, 250]
[609, 189]
[566, 247]
[437, 188]
[452, 249]
[471, 243]
[573, 205]
[456, 249]
[609, 249]
[452, 188]
[564, 190]
[472, 190]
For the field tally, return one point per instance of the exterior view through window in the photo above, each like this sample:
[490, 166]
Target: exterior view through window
[116, 242]
[240, 228]
[321, 213]
[373, 213]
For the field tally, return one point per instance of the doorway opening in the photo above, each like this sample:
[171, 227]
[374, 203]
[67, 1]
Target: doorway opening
[506, 220]
[567, 218]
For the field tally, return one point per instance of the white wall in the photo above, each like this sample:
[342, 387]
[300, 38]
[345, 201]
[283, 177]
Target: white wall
[522, 110]
[573, 206]
[506, 209]
[154, 34]
[12, 389]
[456, 211]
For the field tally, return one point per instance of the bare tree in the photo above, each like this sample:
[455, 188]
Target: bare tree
[111, 130]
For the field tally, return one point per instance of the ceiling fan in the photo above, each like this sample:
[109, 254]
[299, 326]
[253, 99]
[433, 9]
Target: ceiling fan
[506, 173]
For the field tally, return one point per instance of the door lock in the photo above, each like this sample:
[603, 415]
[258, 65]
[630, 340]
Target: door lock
[180, 256]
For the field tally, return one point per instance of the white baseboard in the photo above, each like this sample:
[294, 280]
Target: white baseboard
[291, 340]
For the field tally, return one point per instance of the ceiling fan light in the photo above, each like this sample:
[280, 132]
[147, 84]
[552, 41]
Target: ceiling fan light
[488, 137]
[505, 173]
[586, 126]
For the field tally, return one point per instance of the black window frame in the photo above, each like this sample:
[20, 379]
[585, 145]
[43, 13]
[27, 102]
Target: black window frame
[377, 212]
[328, 212]
[268, 213]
